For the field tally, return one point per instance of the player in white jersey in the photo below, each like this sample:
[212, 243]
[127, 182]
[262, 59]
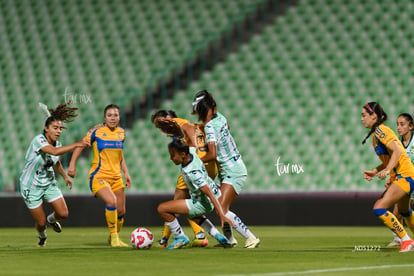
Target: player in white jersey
[203, 192]
[38, 181]
[405, 129]
[232, 171]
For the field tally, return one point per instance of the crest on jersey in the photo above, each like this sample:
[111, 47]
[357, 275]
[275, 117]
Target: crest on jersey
[379, 133]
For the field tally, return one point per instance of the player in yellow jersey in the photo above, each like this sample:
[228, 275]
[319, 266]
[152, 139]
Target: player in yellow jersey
[405, 129]
[194, 136]
[396, 164]
[105, 178]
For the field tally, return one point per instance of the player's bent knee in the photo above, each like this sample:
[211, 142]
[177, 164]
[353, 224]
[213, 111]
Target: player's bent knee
[63, 215]
[161, 208]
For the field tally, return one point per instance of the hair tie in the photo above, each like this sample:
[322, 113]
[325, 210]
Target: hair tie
[44, 108]
[197, 100]
[369, 108]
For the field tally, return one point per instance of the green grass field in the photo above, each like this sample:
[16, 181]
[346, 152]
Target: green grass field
[283, 251]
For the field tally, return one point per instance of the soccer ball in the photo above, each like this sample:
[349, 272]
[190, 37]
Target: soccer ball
[141, 238]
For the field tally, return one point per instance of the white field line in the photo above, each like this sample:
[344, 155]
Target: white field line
[339, 269]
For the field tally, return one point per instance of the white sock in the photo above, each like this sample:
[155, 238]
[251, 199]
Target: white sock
[175, 228]
[396, 238]
[211, 229]
[406, 238]
[239, 225]
[51, 218]
[42, 234]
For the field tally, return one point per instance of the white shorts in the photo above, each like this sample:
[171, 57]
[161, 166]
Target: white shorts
[34, 198]
[198, 208]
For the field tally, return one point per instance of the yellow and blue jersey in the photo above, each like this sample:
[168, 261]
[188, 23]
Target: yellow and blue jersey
[107, 146]
[381, 138]
[180, 122]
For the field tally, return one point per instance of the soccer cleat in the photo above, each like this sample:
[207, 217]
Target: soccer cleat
[121, 243]
[394, 242]
[115, 242]
[200, 235]
[163, 242]
[407, 246]
[199, 242]
[179, 242]
[56, 226]
[252, 243]
[41, 242]
[233, 243]
[223, 240]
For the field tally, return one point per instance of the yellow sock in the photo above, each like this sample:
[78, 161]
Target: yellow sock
[392, 223]
[196, 228]
[111, 219]
[166, 232]
[120, 223]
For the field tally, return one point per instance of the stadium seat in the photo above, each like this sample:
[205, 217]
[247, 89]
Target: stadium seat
[294, 90]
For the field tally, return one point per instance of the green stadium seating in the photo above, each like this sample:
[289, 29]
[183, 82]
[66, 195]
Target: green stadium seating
[314, 69]
[107, 51]
[294, 91]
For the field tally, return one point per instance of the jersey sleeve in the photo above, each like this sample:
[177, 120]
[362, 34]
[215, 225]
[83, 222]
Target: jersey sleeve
[90, 136]
[197, 178]
[384, 135]
[210, 134]
[40, 142]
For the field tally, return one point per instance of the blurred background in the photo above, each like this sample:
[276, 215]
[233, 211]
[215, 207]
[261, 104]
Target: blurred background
[290, 76]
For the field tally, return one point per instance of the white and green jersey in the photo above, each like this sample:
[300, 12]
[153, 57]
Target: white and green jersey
[228, 156]
[195, 176]
[410, 148]
[38, 171]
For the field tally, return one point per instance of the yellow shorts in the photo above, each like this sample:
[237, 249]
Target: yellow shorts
[212, 170]
[96, 184]
[405, 183]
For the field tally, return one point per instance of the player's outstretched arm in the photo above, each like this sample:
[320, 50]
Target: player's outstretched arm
[72, 164]
[206, 189]
[64, 149]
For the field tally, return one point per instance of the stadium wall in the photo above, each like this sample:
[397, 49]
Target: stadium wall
[296, 209]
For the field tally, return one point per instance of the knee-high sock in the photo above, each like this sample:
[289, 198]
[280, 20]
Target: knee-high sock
[196, 228]
[111, 219]
[211, 229]
[175, 228]
[391, 222]
[120, 223]
[239, 225]
[166, 232]
[51, 218]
